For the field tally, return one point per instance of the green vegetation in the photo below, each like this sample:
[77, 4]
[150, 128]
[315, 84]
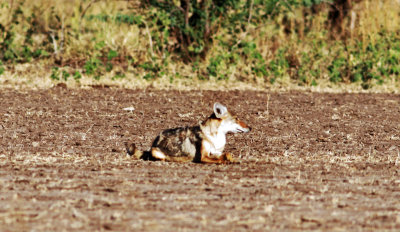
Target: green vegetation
[269, 42]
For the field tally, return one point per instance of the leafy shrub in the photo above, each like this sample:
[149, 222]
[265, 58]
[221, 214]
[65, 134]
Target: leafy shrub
[77, 75]
[248, 40]
[2, 69]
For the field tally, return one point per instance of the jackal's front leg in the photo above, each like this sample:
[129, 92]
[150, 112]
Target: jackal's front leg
[228, 157]
[224, 158]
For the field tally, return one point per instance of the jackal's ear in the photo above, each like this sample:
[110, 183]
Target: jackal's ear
[219, 110]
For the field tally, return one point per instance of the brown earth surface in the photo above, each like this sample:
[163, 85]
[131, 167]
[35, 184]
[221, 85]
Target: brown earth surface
[313, 161]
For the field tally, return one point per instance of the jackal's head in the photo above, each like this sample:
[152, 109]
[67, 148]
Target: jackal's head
[229, 122]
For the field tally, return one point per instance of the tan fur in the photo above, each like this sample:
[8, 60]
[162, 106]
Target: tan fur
[211, 125]
[204, 143]
[133, 151]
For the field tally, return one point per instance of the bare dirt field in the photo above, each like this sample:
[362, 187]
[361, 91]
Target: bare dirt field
[313, 161]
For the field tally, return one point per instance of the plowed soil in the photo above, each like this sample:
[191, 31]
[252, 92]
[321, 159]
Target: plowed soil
[313, 161]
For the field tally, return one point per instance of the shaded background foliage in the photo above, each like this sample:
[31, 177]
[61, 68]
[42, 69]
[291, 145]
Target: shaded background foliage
[305, 41]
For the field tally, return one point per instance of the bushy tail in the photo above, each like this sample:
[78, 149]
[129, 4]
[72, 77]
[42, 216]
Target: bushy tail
[135, 153]
[132, 151]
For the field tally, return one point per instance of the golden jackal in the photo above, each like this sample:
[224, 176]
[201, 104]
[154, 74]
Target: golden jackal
[204, 143]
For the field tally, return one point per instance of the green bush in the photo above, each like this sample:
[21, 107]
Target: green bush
[246, 40]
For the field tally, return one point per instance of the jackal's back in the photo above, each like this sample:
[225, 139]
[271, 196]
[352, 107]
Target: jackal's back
[180, 144]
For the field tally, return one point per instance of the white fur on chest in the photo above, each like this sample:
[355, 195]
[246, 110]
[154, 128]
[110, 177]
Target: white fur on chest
[215, 144]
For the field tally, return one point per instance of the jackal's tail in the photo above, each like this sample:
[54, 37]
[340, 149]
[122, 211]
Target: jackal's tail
[132, 151]
[135, 153]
